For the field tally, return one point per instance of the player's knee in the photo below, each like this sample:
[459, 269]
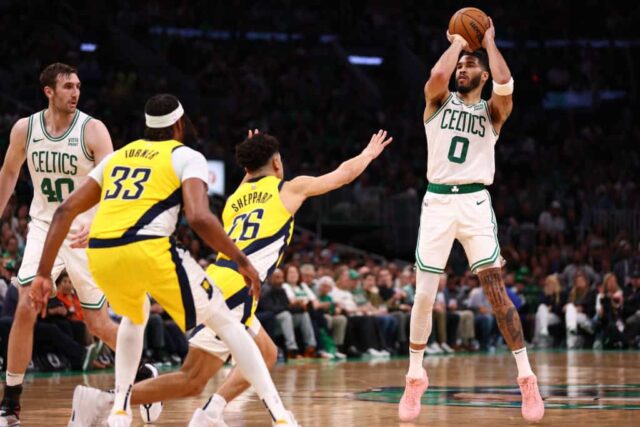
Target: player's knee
[25, 314]
[193, 384]
[270, 354]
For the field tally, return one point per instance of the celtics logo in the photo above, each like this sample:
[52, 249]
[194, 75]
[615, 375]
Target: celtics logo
[584, 396]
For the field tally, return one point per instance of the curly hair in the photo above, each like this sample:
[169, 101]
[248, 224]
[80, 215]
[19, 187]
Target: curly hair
[255, 152]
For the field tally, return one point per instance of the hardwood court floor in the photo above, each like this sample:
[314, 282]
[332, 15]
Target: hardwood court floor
[327, 393]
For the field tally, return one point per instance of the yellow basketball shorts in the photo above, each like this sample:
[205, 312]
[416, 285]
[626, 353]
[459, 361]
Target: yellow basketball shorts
[126, 272]
[241, 304]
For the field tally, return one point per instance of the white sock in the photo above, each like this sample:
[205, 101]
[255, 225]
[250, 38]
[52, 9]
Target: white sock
[130, 342]
[248, 360]
[421, 314]
[522, 360]
[14, 379]
[215, 405]
[415, 363]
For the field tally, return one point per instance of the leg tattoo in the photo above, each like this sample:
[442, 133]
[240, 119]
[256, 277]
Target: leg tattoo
[506, 314]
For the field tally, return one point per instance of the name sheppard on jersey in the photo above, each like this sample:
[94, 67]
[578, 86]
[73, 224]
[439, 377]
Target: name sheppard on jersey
[247, 199]
[463, 121]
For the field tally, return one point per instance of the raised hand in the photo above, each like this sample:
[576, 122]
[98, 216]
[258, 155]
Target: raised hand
[489, 34]
[453, 38]
[377, 144]
[253, 132]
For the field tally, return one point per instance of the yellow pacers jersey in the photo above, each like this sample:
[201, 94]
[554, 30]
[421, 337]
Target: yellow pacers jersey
[141, 193]
[255, 218]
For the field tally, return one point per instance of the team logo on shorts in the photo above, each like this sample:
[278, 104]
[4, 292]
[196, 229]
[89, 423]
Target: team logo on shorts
[583, 396]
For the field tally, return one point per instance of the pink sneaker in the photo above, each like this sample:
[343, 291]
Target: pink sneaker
[532, 405]
[409, 408]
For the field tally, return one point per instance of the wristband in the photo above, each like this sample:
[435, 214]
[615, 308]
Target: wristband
[503, 89]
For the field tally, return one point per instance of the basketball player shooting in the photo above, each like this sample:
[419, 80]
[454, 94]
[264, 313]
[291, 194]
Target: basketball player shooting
[462, 130]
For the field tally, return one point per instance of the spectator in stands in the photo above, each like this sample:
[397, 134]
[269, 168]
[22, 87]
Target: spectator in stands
[70, 309]
[289, 317]
[465, 336]
[47, 337]
[552, 221]
[579, 264]
[362, 330]
[485, 322]
[308, 274]
[301, 297]
[580, 309]
[631, 308]
[549, 313]
[445, 323]
[624, 265]
[396, 300]
[336, 321]
[609, 324]
[370, 302]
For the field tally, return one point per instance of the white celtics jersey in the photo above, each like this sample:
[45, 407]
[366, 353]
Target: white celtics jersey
[460, 143]
[56, 165]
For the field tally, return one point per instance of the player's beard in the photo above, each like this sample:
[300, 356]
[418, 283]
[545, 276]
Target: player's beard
[474, 82]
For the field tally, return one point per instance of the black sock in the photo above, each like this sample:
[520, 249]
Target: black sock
[12, 397]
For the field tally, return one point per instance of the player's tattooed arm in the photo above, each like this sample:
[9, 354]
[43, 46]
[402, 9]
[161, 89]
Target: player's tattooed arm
[506, 314]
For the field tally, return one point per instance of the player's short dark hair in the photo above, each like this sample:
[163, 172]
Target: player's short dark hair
[255, 152]
[49, 75]
[482, 56]
[159, 105]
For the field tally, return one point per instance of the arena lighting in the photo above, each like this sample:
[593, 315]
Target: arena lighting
[88, 47]
[365, 60]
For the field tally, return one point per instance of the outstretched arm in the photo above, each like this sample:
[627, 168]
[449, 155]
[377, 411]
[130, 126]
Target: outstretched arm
[13, 160]
[437, 88]
[298, 189]
[500, 104]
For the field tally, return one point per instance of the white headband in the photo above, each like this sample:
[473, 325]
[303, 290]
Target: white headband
[157, 122]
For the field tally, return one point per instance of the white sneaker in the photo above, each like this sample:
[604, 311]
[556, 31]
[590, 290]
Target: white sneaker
[446, 348]
[325, 355]
[374, 353]
[339, 355]
[200, 418]
[572, 339]
[433, 349]
[289, 421]
[120, 419]
[89, 406]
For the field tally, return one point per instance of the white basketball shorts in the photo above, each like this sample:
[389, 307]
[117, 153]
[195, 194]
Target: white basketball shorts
[73, 260]
[466, 216]
[205, 339]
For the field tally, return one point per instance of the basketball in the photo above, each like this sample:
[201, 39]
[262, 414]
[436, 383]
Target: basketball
[470, 23]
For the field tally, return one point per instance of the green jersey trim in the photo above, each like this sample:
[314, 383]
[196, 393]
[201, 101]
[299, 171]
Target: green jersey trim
[64, 135]
[486, 107]
[439, 109]
[29, 126]
[85, 150]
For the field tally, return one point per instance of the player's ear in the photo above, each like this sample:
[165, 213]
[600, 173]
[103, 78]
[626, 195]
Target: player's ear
[48, 92]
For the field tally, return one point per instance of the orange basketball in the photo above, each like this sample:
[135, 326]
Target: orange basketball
[470, 23]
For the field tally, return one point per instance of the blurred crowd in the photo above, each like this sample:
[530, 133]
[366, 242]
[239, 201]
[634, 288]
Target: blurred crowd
[566, 192]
